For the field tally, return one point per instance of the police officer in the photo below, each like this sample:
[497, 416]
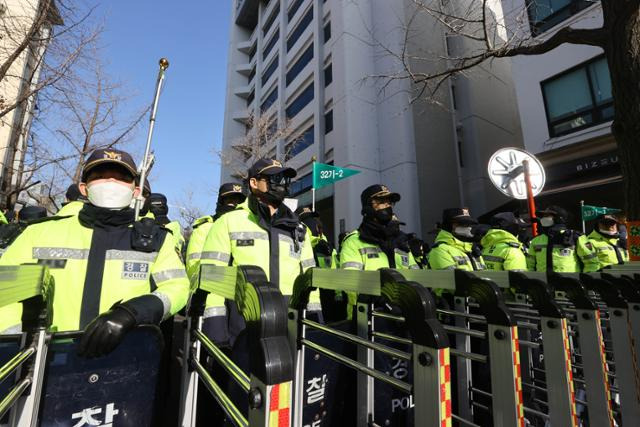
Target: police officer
[160, 209]
[230, 195]
[559, 248]
[605, 241]
[501, 249]
[374, 244]
[74, 201]
[111, 272]
[454, 244]
[262, 231]
[26, 216]
[323, 251]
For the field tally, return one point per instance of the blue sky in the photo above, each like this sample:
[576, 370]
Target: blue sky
[193, 36]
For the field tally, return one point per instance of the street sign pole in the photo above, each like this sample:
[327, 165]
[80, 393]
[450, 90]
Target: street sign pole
[313, 186]
[584, 228]
[530, 200]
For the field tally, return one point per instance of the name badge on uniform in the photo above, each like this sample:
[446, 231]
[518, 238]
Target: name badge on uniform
[135, 270]
[53, 263]
[373, 256]
[245, 242]
[565, 252]
[404, 259]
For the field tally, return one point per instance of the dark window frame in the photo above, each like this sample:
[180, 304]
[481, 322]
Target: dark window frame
[596, 110]
[271, 68]
[272, 43]
[299, 65]
[251, 97]
[297, 32]
[270, 99]
[328, 121]
[541, 26]
[297, 147]
[326, 32]
[328, 74]
[300, 101]
[271, 19]
[293, 9]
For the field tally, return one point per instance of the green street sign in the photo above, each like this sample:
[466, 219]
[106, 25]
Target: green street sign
[590, 213]
[324, 174]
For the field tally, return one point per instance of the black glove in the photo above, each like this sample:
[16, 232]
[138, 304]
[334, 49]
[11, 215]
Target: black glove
[106, 331]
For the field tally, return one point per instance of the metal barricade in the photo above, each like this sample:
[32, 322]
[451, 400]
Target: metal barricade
[616, 297]
[268, 382]
[499, 334]
[31, 285]
[430, 388]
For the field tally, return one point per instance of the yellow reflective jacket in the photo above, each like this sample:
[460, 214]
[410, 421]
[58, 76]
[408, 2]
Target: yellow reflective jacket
[450, 253]
[201, 227]
[502, 250]
[569, 255]
[607, 251]
[356, 254]
[176, 234]
[93, 269]
[279, 245]
[323, 260]
[71, 208]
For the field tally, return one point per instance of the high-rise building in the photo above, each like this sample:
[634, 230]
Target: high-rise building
[566, 105]
[321, 69]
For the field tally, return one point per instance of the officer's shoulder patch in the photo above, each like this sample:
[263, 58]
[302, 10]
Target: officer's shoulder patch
[203, 220]
[350, 235]
[49, 218]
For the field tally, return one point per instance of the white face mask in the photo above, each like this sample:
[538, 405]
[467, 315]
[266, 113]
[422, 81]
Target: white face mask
[110, 195]
[608, 232]
[546, 221]
[463, 231]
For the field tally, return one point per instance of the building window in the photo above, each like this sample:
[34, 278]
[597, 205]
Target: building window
[301, 185]
[293, 9]
[251, 97]
[544, 14]
[328, 122]
[578, 98]
[302, 25]
[271, 44]
[252, 74]
[299, 65]
[269, 100]
[300, 102]
[271, 19]
[270, 70]
[252, 52]
[296, 147]
[328, 75]
[327, 31]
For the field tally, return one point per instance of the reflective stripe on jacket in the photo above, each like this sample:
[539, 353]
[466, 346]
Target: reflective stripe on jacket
[122, 273]
[450, 253]
[501, 250]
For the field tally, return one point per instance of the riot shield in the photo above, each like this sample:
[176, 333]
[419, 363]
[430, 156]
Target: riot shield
[118, 389]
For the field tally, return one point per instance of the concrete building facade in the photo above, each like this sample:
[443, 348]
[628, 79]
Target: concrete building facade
[565, 103]
[319, 67]
[17, 17]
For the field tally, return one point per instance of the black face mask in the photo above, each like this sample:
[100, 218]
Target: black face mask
[278, 189]
[383, 216]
